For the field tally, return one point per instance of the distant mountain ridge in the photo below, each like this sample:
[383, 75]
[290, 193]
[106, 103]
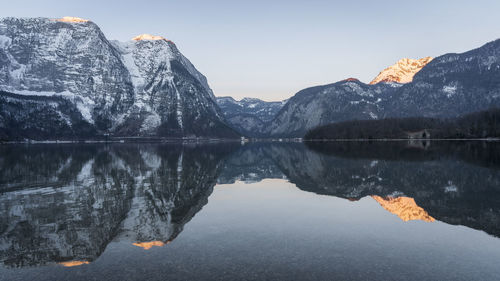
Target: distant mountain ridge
[447, 87]
[249, 115]
[143, 87]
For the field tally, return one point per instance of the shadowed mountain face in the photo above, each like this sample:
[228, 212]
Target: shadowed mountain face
[65, 203]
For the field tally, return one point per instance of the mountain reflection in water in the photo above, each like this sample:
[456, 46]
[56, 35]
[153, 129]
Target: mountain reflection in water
[73, 263]
[404, 207]
[149, 245]
[65, 203]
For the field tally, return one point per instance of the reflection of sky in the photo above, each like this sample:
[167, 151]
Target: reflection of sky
[272, 229]
[272, 49]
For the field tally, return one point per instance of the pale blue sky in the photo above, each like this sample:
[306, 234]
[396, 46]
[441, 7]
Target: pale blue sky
[272, 49]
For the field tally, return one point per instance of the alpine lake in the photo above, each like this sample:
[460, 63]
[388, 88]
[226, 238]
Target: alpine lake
[352, 210]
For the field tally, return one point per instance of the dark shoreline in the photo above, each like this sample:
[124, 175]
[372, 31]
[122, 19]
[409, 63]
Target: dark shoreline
[208, 141]
[401, 139]
[123, 140]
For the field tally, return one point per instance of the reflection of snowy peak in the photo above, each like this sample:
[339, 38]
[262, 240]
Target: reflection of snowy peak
[403, 207]
[142, 87]
[86, 197]
[66, 203]
[402, 71]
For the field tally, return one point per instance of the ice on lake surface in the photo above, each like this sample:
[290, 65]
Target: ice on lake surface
[259, 211]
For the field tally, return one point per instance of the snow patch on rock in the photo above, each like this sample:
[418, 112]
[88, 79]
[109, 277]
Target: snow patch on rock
[450, 90]
[151, 122]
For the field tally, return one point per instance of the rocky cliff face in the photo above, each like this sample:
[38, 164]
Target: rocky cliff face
[74, 60]
[249, 115]
[171, 96]
[144, 87]
[402, 71]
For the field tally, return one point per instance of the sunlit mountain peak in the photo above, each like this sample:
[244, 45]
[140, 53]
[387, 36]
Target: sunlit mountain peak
[402, 71]
[72, 19]
[148, 37]
[404, 207]
[351, 79]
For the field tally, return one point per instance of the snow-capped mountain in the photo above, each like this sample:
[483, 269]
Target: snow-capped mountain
[249, 115]
[449, 86]
[402, 71]
[144, 87]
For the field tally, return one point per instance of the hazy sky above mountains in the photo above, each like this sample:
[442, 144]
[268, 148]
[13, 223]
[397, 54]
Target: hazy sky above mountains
[272, 49]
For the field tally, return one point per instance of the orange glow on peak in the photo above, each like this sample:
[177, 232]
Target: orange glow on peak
[350, 80]
[72, 19]
[148, 37]
[149, 245]
[404, 207]
[73, 263]
[402, 71]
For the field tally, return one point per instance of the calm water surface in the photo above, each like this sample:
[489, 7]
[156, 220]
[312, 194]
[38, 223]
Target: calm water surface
[259, 211]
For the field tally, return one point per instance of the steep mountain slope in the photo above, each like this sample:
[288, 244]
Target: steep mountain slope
[144, 87]
[44, 117]
[341, 101]
[72, 59]
[172, 97]
[452, 85]
[249, 115]
[402, 71]
[449, 86]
